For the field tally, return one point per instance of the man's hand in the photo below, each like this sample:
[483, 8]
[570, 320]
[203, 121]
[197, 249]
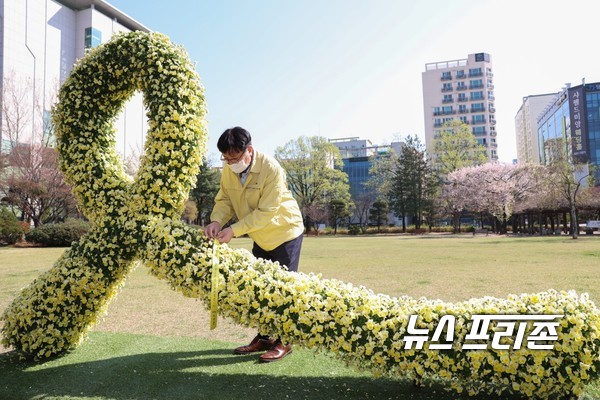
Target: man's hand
[212, 230]
[225, 235]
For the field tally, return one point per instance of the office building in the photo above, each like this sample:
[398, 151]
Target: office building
[570, 124]
[39, 43]
[461, 89]
[358, 156]
[526, 128]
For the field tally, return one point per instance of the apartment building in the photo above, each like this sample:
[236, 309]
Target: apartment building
[526, 127]
[461, 89]
[40, 40]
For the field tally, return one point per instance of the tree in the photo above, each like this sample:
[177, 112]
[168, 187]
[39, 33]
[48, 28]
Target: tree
[313, 167]
[413, 183]
[455, 147]
[493, 190]
[571, 174]
[381, 175]
[207, 186]
[17, 109]
[360, 211]
[36, 186]
[32, 181]
[378, 214]
[338, 211]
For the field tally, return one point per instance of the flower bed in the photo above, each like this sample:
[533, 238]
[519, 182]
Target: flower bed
[140, 221]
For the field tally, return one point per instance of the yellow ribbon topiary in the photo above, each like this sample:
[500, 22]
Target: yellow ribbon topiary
[140, 221]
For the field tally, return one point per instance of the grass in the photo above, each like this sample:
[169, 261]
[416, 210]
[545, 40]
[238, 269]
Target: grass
[156, 344]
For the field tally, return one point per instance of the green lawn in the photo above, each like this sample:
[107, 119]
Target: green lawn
[156, 344]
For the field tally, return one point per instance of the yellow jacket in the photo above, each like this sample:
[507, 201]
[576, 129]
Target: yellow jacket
[264, 206]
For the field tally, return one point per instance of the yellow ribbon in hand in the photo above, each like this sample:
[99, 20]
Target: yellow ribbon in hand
[214, 287]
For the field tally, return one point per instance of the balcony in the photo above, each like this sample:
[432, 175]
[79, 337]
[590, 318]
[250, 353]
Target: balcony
[473, 74]
[447, 89]
[445, 101]
[461, 87]
[476, 86]
[477, 109]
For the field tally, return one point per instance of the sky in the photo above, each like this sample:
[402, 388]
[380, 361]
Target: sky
[352, 68]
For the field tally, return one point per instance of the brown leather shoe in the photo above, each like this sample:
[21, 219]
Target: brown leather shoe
[277, 352]
[257, 344]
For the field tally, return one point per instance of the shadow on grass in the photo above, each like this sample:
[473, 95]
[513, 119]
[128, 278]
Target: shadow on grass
[195, 375]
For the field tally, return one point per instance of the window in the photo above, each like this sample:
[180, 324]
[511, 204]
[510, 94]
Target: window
[460, 74]
[462, 108]
[475, 72]
[462, 97]
[93, 38]
[447, 98]
[477, 107]
[476, 95]
[478, 130]
[446, 76]
[49, 139]
[447, 87]
[476, 84]
[478, 119]
[461, 86]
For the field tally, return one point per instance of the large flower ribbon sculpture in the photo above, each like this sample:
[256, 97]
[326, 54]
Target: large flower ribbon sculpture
[140, 221]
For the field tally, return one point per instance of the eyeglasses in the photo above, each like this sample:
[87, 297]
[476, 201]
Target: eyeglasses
[233, 160]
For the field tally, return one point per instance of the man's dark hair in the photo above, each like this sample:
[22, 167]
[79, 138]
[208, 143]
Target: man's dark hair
[234, 140]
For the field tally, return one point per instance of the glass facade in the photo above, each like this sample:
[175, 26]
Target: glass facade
[93, 38]
[357, 169]
[572, 126]
[592, 99]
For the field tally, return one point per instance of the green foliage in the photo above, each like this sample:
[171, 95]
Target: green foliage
[354, 230]
[10, 229]
[455, 147]
[378, 214]
[60, 234]
[205, 191]
[339, 210]
[413, 182]
[314, 173]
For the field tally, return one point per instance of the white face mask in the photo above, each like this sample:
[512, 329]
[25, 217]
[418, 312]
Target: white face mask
[239, 166]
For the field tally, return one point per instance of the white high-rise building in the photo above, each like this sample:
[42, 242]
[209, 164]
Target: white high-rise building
[40, 40]
[464, 90]
[526, 127]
